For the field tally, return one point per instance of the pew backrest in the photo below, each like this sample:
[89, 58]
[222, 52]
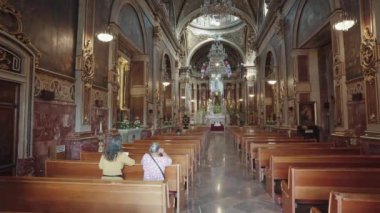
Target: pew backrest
[315, 184]
[279, 165]
[354, 202]
[90, 170]
[264, 154]
[40, 194]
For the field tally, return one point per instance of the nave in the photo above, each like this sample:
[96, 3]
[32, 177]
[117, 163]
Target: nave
[223, 184]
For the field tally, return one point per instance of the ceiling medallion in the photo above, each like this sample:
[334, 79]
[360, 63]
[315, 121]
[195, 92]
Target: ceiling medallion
[219, 7]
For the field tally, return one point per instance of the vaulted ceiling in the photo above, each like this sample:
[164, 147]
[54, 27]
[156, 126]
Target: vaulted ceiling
[186, 10]
[236, 38]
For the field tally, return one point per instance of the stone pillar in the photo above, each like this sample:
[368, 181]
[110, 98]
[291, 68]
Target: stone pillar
[156, 76]
[83, 138]
[139, 75]
[84, 68]
[340, 86]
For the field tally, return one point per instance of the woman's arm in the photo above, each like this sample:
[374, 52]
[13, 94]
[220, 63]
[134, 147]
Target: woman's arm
[127, 160]
[101, 163]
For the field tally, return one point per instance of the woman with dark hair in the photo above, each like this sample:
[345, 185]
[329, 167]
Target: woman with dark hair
[154, 163]
[113, 160]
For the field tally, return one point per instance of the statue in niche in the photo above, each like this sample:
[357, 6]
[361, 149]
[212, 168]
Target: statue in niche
[122, 68]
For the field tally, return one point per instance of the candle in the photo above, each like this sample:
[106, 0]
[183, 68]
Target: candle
[100, 127]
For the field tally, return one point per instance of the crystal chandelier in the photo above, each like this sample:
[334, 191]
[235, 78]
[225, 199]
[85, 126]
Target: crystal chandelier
[221, 7]
[217, 65]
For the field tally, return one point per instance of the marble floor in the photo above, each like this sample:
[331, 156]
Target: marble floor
[222, 184]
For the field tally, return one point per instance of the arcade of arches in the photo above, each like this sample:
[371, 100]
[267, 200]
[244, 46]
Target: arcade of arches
[285, 68]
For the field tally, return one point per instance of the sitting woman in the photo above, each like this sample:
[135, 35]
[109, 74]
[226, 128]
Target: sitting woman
[113, 160]
[154, 163]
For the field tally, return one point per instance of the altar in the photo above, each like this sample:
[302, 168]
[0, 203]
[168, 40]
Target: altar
[129, 135]
[215, 119]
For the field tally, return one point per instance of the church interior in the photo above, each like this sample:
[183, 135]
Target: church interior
[264, 105]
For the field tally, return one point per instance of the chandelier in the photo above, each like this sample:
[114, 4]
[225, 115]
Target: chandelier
[221, 7]
[344, 22]
[217, 65]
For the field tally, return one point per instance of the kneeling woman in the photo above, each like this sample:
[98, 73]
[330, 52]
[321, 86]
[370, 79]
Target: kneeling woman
[113, 160]
[154, 163]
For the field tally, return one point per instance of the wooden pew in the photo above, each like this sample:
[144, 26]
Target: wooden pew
[354, 202]
[168, 144]
[264, 155]
[181, 137]
[279, 165]
[90, 170]
[169, 151]
[196, 143]
[246, 141]
[201, 137]
[238, 137]
[182, 160]
[41, 194]
[254, 147]
[311, 185]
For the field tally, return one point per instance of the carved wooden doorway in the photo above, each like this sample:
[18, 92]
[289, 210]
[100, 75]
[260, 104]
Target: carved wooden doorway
[9, 103]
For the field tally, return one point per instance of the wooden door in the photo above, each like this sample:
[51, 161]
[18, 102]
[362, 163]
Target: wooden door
[9, 100]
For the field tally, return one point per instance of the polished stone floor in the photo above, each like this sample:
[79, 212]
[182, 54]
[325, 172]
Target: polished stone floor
[222, 183]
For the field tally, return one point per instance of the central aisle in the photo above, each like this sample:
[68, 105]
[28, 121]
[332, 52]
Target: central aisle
[222, 184]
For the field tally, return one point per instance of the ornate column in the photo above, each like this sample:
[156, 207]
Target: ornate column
[83, 139]
[341, 111]
[113, 85]
[369, 60]
[84, 68]
[154, 86]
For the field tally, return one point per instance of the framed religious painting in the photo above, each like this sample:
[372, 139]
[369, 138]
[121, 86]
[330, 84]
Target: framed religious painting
[307, 114]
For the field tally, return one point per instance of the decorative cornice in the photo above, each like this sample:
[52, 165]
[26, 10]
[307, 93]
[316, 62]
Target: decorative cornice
[15, 27]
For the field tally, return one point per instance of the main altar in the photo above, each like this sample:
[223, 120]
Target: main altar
[216, 109]
[216, 69]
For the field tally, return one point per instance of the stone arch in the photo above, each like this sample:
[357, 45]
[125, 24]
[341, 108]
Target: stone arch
[302, 34]
[116, 9]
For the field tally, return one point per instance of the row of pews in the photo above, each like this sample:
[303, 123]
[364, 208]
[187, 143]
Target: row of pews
[304, 175]
[76, 185]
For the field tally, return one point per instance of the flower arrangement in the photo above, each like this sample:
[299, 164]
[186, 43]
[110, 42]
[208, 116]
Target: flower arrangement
[137, 123]
[124, 124]
[167, 123]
